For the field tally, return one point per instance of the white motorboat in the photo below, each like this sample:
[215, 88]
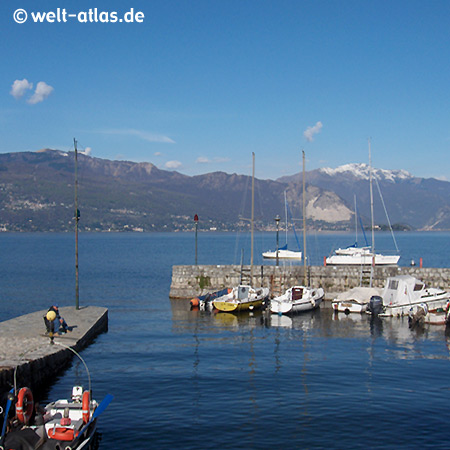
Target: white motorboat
[297, 299]
[354, 300]
[404, 294]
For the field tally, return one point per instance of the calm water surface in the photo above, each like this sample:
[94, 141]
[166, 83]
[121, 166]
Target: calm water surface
[187, 379]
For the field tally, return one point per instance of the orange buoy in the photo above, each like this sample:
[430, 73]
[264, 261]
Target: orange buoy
[85, 406]
[195, 302]
[62, 433]
[24, 405]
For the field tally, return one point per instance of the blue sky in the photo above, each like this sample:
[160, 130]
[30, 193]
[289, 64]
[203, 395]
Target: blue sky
[198, 86]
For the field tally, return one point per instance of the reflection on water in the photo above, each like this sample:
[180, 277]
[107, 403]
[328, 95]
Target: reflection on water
[401, 341]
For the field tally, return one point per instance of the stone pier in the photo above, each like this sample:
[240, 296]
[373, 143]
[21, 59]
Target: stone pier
[191, 281]
[24, 345]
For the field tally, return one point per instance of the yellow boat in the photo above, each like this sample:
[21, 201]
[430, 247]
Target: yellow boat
[242, 298]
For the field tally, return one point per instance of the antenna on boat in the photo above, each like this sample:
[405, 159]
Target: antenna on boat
[304, 222]
[77, 218]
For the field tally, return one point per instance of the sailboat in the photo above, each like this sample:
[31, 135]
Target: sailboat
[244, 297]
[357, 300]
[283, 252]
[298, 298]
[355, 255]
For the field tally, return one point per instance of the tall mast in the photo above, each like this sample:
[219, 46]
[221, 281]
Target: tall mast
[285, 215]
[77, 294]
[356, 224]
[371, 213]
[253, 218]
[304, 222]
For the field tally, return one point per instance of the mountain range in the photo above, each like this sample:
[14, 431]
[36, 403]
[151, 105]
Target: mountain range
[37, 194]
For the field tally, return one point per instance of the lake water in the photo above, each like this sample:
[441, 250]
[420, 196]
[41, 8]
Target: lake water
[186, 379]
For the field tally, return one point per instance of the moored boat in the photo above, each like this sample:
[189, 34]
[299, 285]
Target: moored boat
[297, 299]
[283, 253]
[354, 300]
[205, 301]
[403, 295]
[242, 298]
[63, 424]
[67, 424]
[354, 255]
[357, 256]
[421, 315]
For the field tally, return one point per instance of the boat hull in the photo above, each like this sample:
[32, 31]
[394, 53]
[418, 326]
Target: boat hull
[286, 305]
[283, 254]
[358, 260]
[349, 306]
[439, 302]
[232, 306]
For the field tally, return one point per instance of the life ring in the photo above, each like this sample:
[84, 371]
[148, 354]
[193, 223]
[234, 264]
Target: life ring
[62, 433]
[24, 405]
[85, 406]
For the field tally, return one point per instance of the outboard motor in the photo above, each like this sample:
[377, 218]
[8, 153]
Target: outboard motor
[375, 306]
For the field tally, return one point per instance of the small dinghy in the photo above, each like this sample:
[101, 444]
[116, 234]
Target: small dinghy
[62, 425]
[205, 302]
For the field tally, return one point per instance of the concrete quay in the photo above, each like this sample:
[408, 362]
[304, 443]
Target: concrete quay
[191, 281]
[23, 344]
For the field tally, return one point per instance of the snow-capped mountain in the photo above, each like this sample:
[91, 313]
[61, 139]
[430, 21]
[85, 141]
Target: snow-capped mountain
[362, 172]
[418, 202]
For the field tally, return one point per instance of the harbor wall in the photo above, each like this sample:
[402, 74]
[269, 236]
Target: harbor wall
[191, 281]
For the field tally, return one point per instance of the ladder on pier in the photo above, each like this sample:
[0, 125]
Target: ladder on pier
[366, 275]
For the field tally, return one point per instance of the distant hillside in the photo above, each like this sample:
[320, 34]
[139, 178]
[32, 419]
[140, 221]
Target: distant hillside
[37, 194]
[418, 202]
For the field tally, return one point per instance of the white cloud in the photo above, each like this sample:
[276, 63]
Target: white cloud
[87, 151]
[19, 87]
[43, 90]
[173, 164]
[311, 131]
[157, 154]
[149, 137]
[205, 160]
